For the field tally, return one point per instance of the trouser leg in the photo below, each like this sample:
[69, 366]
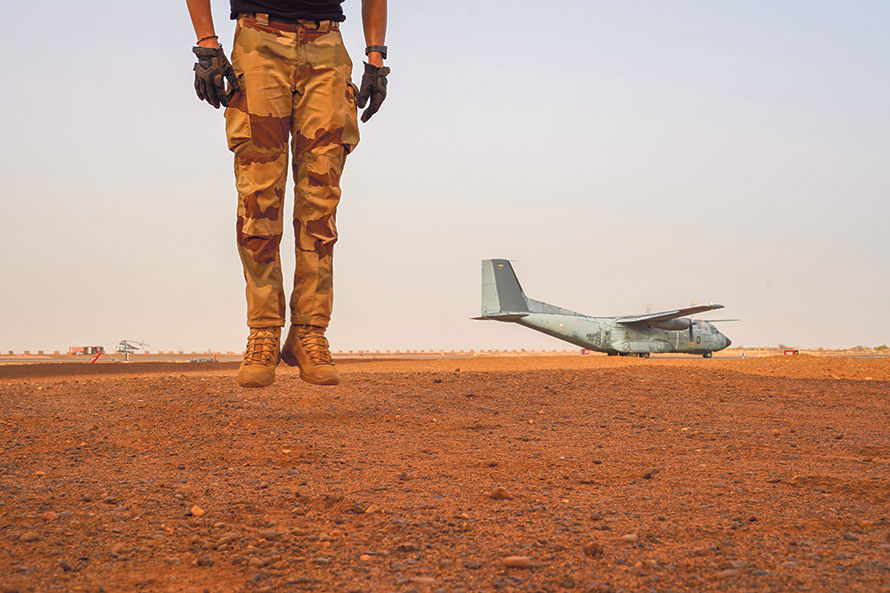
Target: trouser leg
[325, 130]
[258, 121]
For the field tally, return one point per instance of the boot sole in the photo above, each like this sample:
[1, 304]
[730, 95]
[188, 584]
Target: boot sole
[291, 360]
[254, 384]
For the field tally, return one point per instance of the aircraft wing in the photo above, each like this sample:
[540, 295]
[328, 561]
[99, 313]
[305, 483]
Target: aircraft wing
[665, 315]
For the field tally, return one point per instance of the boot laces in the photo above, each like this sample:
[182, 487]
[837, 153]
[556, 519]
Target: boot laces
[262, 343]
[315, 345]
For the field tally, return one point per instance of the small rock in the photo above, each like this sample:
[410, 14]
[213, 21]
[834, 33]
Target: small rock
[197, 511]
[851, 537]
[29, 536]
[499, 493]
[760, 573]
[728, 573]
[629, 538]
[593, 550]
[271, 534]
[365, 557]
[424, 580]
[205, 560]
[789, 564]
[773, 480]
[738, 564]
[49, 516]
[256, 562]
[517, 562]
[372, 509]
[66, 566]
[473, 565]
[321, 561]
[226, 538]
[173, 560]
[594, 516]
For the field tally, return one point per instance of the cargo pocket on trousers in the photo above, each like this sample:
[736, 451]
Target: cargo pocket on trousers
[350, 127]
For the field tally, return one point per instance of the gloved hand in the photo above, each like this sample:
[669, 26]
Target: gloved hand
[373, 88]
[211, 72]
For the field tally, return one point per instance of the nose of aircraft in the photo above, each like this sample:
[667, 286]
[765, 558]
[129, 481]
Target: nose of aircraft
[728, 342]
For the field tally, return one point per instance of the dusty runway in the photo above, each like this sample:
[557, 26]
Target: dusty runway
[599, 474]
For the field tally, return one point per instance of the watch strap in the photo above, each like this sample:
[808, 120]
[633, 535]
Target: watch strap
[377, 48]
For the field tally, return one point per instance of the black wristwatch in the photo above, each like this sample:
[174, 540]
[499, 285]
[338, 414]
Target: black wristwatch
[377, 48]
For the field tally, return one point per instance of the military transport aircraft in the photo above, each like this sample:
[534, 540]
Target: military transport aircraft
[630, 335]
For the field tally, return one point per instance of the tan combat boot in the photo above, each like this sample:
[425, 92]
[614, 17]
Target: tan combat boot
[258, 367]
[307, 348]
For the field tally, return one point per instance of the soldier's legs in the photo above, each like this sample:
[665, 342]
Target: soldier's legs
[258, 121]
[325, 130]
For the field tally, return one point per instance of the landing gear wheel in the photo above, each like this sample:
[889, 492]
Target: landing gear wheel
[707, 355]
[644, 355]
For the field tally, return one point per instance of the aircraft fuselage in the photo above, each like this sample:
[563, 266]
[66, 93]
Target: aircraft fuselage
[605, 334]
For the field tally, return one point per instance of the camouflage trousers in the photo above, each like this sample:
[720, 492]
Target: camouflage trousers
[296, 86]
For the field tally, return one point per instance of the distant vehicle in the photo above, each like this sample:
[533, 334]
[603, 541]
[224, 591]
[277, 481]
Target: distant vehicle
[631, 335]
[85, 350]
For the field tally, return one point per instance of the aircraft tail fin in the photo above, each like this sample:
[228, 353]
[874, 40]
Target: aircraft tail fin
[502, 295]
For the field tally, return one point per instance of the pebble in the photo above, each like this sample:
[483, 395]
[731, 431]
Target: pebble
[365, 557]
[728, 573]
[49, 516]
[372, 509]
[424, 580]
[272, 534]
[66, 566]
[789, 564]
[629, 538]
[118, 549]
[851, 537]
[517, 562]
[197, 511]
[321, 561]
[499, 493]
[226, 538]
[205, 560]
[760, 573]
[593, 550]
[30, 536]
[738, 564]
[884, 547]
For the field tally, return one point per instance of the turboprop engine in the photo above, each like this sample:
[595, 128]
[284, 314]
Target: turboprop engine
[677, 324]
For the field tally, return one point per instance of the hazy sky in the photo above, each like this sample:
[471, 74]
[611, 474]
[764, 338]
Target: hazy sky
[623, 154]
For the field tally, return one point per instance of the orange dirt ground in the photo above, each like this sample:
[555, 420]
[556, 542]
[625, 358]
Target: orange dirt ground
[582, 473]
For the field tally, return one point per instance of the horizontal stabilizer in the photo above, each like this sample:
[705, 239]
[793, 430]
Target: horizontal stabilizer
[666, 315]
[501, 317]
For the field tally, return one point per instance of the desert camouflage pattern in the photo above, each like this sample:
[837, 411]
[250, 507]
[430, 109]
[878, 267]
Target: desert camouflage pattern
[297, 97]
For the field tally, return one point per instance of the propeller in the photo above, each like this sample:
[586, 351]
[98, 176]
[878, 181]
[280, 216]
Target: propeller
[720, 320]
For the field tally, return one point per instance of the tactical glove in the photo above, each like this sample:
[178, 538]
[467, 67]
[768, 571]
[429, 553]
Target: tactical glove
[373, 88]
[211, 72]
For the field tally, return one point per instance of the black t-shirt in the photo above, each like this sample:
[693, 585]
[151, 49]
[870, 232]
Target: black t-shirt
[291, 10]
